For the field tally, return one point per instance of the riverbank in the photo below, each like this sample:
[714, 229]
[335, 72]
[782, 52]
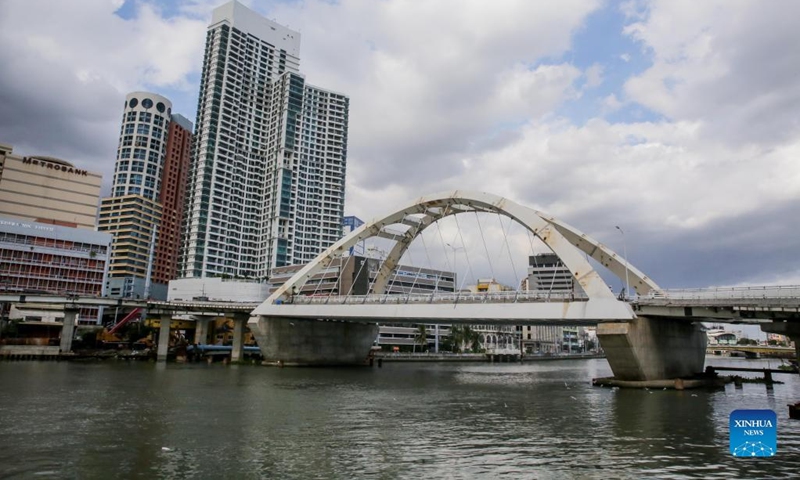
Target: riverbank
[472, 357]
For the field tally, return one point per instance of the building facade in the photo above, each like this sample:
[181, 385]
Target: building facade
[266, 182]
[145, 211]
[52, 259]
[547, 274]
[47, 190]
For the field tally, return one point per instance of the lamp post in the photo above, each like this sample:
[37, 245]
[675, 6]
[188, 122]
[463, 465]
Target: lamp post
[455, 286]
[625, 254]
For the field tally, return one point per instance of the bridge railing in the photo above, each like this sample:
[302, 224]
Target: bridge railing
[439, 297]
[727, 293]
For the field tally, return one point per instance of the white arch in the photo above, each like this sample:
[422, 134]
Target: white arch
[568, 243]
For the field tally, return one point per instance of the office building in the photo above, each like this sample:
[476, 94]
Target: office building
[266, 186]
[53, 259]
[548, 275]
[47, 190]
[145, 210]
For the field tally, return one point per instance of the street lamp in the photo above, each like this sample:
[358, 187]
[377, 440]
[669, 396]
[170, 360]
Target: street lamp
[455, 286]
[625, 254]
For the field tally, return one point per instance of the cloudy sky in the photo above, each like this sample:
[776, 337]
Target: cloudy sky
[677, 120]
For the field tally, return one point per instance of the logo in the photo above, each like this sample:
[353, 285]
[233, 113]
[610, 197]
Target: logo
[753, 433]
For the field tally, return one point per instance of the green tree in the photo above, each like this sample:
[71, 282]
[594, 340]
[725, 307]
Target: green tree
[472, 339]
[421, 337]
[456, 338]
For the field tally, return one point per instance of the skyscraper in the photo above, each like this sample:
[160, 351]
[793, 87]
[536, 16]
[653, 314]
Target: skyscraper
[145, 209]
[266, 184]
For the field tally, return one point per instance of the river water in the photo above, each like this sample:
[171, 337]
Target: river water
[416, 420]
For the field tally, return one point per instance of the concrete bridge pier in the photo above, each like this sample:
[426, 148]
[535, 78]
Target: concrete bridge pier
[237, 352]
[201, 330]
[305, 342]
[647, 348]
[163, 338]
[68, 329]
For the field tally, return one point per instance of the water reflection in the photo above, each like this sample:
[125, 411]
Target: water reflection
[540, 420]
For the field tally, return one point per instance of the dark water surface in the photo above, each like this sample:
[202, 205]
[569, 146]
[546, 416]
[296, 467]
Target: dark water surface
[421, 420]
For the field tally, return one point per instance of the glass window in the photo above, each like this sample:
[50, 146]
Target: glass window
[126, 153]
[145, 117]
[147, 103]
[133, 102]
[129, 128]
[160, 107]
[140, 153]
[143, 129]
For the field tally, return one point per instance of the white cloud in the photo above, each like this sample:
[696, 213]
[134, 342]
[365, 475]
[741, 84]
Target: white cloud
[594, 75]
[63, 83]
[610, 104]
[467, 94]
[726, 64]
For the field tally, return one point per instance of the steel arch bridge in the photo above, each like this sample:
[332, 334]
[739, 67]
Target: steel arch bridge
[568, 243]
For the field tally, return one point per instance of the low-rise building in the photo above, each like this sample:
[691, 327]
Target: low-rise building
[52, 259]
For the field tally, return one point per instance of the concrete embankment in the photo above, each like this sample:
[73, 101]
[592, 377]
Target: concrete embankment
[469, 357]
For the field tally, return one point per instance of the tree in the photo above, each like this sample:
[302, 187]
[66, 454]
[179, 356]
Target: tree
[421, 337]
[456, 338]
[472, 339]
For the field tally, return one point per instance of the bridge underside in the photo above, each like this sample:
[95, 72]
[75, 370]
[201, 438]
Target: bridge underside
[302, 342]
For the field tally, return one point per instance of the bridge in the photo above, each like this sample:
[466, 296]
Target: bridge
[654, 334]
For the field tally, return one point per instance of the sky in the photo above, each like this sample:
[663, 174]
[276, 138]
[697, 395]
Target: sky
[678, 121]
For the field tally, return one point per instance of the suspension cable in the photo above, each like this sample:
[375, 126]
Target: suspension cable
[485, 248]
[508, 247]
[466, 253]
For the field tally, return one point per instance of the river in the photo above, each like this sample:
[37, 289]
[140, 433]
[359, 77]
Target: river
[541, 420]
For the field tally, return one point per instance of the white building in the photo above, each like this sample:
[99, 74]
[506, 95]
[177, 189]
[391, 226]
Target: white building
[547, 274]
[142, 145]
[216, 290]
[266, 184]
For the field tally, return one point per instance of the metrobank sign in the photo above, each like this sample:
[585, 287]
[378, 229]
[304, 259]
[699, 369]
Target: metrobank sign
[55, 166]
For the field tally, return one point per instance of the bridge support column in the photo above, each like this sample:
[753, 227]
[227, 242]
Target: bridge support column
[237, 352]
[163, 338]
[68, 329]
[201, 330]
[790, 330]
[299, 342]
[653, 349]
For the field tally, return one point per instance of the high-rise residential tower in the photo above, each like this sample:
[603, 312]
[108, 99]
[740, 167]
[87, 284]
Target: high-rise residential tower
[145, 211]
[266, 184]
